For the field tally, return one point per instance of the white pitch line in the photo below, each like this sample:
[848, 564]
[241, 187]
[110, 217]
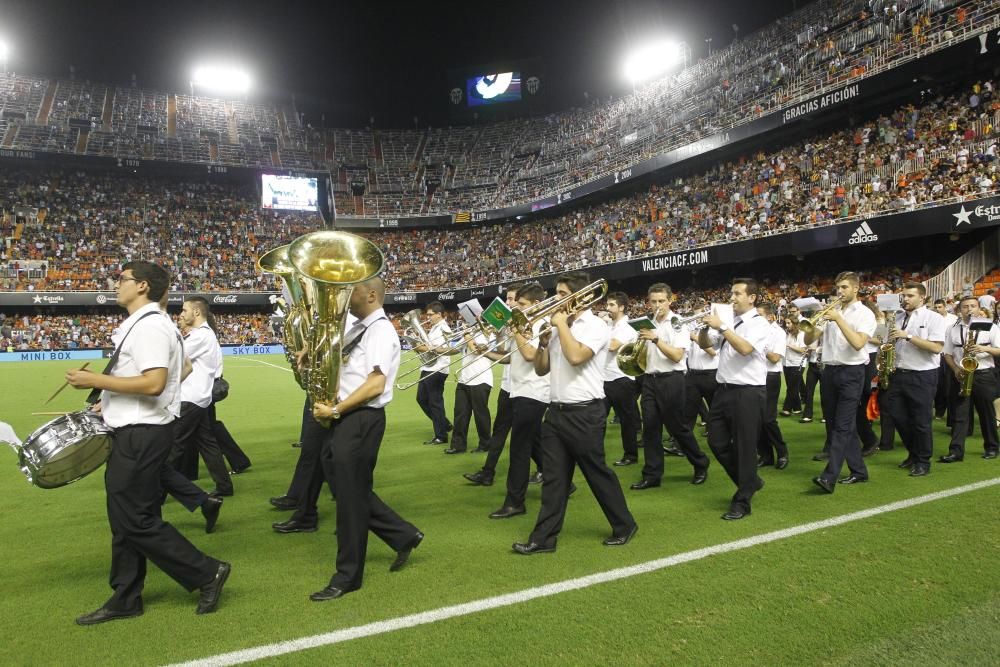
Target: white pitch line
[476, 606]
[268, 363]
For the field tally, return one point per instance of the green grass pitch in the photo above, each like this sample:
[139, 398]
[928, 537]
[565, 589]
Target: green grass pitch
[918, 586]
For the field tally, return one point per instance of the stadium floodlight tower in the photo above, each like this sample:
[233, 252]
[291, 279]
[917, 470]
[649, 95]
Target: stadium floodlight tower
[652, 60]
[220, 79]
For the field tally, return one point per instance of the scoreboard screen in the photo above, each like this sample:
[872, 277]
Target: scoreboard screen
[289, 193]
[486, 89]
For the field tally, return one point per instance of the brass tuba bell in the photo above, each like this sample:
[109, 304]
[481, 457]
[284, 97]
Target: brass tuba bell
[295, 325]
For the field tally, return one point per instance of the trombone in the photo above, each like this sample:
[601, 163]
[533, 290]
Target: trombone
[419, 337]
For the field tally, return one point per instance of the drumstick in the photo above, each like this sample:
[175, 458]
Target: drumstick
[48, 414]
[65, 384]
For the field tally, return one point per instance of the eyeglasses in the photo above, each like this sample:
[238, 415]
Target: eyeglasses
[122, 279]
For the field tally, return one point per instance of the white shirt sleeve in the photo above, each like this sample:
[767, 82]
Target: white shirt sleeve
[935, 328]
[379, 342]
[594, 334]
[150, 348]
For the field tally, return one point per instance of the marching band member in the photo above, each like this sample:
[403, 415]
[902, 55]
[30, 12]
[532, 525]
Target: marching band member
[771, 447]
[699, 381]
[737, 412]
[984, 345]
[843, 335]
[663, 393]
[866, 434]
[472, 396]
[574, 427]
[430, 390]
[796, 354]
[619, 388]
[919, 338]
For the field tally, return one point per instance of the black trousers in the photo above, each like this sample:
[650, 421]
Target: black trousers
[942, 395]
[623, 396]
[771, 443]
[841, 391]
[795, 389]
[911, 402]
[887, 429]
[733, 429]
[574, 436]
[184, 491]
[308, 458]
[864, 425]
[430, 398]
[471, 400]
[193, 431]
[813, 375]
[309, 474]
[663, 396]
[984, 390]
[501, 429]
[525, 436]
[138, 531]
[231, 451]
[699, 389]
[350, 452]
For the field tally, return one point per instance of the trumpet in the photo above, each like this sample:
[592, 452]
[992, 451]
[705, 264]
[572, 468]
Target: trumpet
[678, 322]
[809, 326]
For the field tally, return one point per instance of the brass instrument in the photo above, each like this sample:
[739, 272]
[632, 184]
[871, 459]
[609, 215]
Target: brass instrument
[296, 323]
[678, 322]
[415, 335]
[329, 264]
[631, 357]
[809, 326]
[969, 363]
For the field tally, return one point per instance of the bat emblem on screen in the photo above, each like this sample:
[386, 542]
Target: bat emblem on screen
[491, 85]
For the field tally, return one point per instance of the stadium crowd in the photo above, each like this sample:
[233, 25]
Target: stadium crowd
[208, 235]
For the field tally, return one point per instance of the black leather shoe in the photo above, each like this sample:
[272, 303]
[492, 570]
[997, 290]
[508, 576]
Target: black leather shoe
[480, 478]
[806, 420]
[239, 471]
[436, 441]
[536, 478]
[626, 461]
[645, 484]
[621, 540]
[991, 454]
[480, 450]
[452, 450]
[868, 451]
[700, 476]
[221, 494]
[403, 555]
[852, 479]
[293, 526]
[735, 514]
[906, 463]
[103, 615]
[210, 509]
[781, 463]
[284, 502]
[507, 511]
[761, 463]
[919, 471]
[824, 484]
[672, 451]
[822, 456]
[212, 591]
[529, 548]
[328, 593]
[950, 458]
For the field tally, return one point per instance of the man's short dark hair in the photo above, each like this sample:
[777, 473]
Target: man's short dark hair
[574, 280]
[532, 291]
[434, 307]
[968, 298]
[921, 290]
[767, 307]
[940, 302]
[153, 275]
[751, 286]
[621, 298]
[204, 310]
[849, 276]
[513, 288]
[660, 287]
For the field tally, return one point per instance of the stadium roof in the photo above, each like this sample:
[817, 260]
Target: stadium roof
[353, 59]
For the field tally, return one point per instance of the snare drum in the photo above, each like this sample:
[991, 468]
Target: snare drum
[65, 449]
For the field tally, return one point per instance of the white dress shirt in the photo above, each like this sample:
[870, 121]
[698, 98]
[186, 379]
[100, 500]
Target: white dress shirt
[700, 360]
[836, 350]
[475, 368]
[955, 338]
[506, 341]
[792, 358]
[576, 384]
[524, 381]
[923, 323]
[735, 368]
[656, 361]
[377, 349]
[775, 345]
[438, 336]
[155, 343]
[623, 333]
[202, 348]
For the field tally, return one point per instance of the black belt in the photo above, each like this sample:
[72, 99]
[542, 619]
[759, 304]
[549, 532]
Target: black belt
[730, 385]
[576, 406]
[705, 371]
[910, 370]
[664, 374]
[774, 372]
[128, 426]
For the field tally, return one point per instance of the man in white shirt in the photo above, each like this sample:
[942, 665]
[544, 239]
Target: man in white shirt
[843, 336]
[574, 427]
[529, 393]
[140, 399]
[663, 389]
[430, 390]
[942, 397]
[699, 381]
[350, 450]
[771, 448]
[796, 355]
[985, 347]
[737, 412]
[919, 338]
[472, 395]
[619, 388]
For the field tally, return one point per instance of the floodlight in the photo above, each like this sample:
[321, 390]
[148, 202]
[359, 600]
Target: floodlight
[3, 50]
[221, 78]
[652, 60]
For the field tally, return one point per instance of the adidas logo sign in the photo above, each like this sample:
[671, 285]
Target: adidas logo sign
[863, 234]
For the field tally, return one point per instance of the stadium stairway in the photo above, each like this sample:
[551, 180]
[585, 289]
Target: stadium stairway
[46, 107]
[988, 283]
[81, 141]
[109, 109]
[275, 158]
[418, 156]
[377, 143]
[172, 116]
[213, 151]
[8, 139]
[234, 132]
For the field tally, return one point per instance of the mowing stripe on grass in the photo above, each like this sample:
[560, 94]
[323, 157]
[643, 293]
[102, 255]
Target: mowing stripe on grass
[268, 363]
[444, 613]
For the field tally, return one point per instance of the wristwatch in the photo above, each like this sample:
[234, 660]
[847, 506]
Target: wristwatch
[335, 413]
[723, 328]
[656, 340]
[909, 336]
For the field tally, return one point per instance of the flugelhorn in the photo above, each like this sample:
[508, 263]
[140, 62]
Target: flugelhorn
[809, 326]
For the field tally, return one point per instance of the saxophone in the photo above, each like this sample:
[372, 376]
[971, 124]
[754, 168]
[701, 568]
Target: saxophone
[969, 364]
[885, 360]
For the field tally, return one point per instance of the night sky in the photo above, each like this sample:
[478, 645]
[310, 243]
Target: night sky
[353, 60]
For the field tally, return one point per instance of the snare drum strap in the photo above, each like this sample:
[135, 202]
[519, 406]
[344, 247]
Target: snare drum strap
[95, 394]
